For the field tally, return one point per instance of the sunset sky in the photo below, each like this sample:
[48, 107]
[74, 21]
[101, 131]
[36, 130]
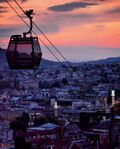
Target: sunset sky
[82, 29]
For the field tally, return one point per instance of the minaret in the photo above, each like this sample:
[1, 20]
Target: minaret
[113, 97]
[56, 109]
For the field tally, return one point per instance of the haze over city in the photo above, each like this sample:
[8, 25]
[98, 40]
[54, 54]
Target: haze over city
[82, 30]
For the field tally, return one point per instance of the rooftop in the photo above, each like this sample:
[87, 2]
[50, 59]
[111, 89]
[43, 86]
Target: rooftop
[46, 126]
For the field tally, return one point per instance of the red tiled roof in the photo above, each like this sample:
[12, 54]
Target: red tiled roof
[43, 141]
[47, 141]
[36, 141]
[62, 144]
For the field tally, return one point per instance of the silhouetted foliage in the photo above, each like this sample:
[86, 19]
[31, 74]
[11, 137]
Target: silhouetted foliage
[65, 81]
[17, 125]
[20, 123]
[56, 84]
[84, 120]
[44, 84]
[20, 143]
[40, 120]
[25, 118]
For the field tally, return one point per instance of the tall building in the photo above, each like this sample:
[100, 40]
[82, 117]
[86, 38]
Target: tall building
[113, 97]
[56, 109]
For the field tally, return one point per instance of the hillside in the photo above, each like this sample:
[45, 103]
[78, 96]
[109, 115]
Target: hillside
[107, 60]
[44, 63]
[3, 60]
[47, 63]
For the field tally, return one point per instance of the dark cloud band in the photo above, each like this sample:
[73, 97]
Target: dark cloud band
[1, 1]
[71, 6]
[114, 10]
[3, 9]
[7, 31]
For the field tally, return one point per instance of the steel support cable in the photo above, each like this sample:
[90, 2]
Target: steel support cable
[49, 41]
[35, 33]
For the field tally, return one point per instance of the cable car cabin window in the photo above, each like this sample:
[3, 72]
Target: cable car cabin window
[10, 53]
[37, 52]
[11, 47]
[36, 46]
[24, 51]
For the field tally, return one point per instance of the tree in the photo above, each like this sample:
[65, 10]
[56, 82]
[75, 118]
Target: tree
[20, 143]
[40, 120]
[65, 81]
[25, 118]
[20, 124]
[57, 72]
[23, 88]
[56, 84]
[16, 125]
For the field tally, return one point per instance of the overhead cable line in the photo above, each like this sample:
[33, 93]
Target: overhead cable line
[38, 37]
[41, 40]
[49, 41]
[34, 33]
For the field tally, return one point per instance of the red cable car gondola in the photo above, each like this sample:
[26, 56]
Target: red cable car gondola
[24, 52]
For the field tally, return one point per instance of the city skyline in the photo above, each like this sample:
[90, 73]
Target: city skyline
[82, 30]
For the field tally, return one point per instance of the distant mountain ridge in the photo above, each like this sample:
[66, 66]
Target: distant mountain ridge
[44, 63]
[48, 63]
[2, 54]
[107, 60]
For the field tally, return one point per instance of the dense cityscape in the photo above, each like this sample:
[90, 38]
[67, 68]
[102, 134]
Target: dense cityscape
[59, 107]
[59, 74]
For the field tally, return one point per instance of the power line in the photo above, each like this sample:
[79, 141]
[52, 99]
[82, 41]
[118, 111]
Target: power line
[41, 40]
[49, 40]
[34, 33]
[41, 32]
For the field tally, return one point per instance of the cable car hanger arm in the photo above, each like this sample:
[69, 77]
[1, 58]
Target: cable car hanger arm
[29, 14]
